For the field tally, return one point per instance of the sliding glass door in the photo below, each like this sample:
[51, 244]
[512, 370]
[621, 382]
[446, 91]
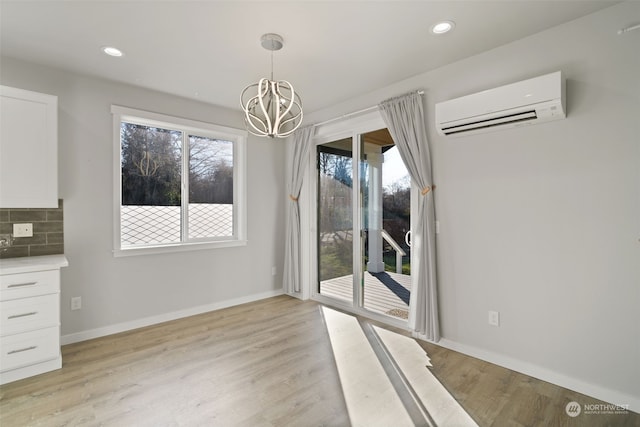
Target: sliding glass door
[335, 219]
[364, 224]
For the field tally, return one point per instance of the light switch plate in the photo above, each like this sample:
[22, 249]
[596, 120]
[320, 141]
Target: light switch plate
[23, 230]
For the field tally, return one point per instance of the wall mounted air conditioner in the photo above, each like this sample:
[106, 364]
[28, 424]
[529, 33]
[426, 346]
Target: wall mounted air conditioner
[536, 100]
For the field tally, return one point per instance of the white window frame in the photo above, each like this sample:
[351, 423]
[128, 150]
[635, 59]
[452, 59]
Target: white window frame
[147, 118]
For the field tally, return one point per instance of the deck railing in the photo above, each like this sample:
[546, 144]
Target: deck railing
[396, 247]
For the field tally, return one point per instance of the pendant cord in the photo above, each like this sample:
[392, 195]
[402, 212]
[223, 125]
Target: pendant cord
[627, 29]
[272, 65]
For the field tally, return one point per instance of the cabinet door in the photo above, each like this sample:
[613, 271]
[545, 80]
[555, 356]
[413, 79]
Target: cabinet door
[28, 149]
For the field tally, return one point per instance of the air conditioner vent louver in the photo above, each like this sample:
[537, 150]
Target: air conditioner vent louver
[531, 101]
[488, 123]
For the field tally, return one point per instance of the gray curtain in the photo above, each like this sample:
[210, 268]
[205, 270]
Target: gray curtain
[301, 145]
[404, 118]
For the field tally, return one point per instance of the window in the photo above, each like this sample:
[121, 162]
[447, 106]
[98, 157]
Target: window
[178, 184]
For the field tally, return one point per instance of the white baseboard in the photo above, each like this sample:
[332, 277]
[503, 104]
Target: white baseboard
[165, 317]
[602, 393]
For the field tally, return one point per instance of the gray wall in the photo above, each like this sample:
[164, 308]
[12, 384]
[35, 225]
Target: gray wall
[120, 293]
[543, 223]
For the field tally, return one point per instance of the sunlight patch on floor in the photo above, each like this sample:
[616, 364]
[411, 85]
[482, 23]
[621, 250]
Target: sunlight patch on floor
[410, 359]
[385, 377]
[370, 397]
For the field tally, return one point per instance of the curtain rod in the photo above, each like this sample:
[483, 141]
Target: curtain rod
[627, 29]
[354, 113]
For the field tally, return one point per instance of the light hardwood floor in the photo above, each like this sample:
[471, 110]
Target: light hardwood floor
[267, 363]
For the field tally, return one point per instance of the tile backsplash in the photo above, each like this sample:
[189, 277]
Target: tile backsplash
[48, 232]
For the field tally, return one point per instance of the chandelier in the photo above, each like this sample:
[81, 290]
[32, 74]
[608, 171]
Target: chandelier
[271, 108]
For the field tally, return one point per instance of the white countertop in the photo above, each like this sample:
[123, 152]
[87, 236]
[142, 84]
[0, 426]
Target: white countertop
[33, 263]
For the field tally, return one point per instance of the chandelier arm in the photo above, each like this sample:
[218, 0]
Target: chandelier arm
[294, 116]
[247, 108]
[275, 93]
[289, 132]
[293, 119]
[289, 102]
[256, 133]
[249, 119]
[261, 96]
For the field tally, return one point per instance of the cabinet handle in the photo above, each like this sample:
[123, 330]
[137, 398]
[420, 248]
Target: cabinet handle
[15, 316]
[18, 285]
[33, 347]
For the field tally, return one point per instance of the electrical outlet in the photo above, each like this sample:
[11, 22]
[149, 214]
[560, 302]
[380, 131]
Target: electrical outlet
[76, 303]
[494, 318]
[23, 230]
[5, 240]
[274, 271]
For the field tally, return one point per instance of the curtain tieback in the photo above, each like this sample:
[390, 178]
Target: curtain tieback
[426, 189]
[295, 199]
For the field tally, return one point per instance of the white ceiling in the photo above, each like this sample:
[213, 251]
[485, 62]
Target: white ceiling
[210, 50]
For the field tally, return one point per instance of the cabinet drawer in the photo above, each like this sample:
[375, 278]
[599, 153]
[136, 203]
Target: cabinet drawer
[23, 285]
[27, 314]
[28, 348]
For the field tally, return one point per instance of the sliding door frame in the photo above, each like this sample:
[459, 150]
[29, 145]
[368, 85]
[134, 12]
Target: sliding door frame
[353, 127]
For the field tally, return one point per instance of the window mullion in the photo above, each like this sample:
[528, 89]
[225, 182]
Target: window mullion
[357, 222]
[184, 196]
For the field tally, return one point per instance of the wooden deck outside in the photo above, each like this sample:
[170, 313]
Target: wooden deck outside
[387, 293]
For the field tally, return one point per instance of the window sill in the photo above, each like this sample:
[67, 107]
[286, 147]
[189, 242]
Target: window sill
[181, 247]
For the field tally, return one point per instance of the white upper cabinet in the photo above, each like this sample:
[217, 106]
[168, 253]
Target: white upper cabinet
[28, 149]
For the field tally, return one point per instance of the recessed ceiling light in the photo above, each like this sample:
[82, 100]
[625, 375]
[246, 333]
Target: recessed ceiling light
[112, 51]
[443, 27]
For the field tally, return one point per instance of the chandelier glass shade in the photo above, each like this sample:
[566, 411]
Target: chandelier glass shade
[271, 107]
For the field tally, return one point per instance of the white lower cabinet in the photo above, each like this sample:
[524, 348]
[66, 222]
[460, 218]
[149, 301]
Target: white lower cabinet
[29, 320]
[27, 349]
